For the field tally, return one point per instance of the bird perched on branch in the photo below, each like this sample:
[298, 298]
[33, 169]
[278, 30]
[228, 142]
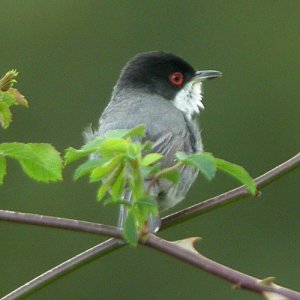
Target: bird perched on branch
[164, 93]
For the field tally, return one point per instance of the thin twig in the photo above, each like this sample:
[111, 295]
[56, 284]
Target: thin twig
[114, 244]
[62, 223]
[231, 196]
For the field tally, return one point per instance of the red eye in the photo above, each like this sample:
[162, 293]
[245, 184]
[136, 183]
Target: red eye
[176, 79]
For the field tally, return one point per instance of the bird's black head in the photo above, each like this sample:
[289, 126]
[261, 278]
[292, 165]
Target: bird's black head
[165, 75]
[156, 72]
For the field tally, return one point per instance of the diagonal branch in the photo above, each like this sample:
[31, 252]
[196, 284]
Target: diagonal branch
[264, 287]
[231, 196]
[65, 267]
[113, 244]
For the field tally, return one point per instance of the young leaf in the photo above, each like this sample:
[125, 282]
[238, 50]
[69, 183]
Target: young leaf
[73, 154]
[41, 162]
[113, 146]
[18, 97]
[110, 201]
[103, 170]
[238, 173]
[5, 115]
[134, 150]
[92, 145]
[130, 229]
[147, 146]
[172, 175]
[154, 169]
[204, 162]
[149, 203]
[181, 156]
[8, 80]
[9, 99]
[102, 191]
[2, 168]
[151, 158]
[116, 134]
[118, 187]
[138, 131]
[8, 94]
[86, 167]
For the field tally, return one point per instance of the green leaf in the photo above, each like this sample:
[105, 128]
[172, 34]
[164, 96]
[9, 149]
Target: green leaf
[238, 173]
[134, 150]
[151, 158]
[9, 99]
[2, 168]
[154, 169]
[41, 162]
[8, 80]
[138, 131]
[172, 175]
[204, 162]
[99, 172]
[86, 167]
[143, 208]
[147, 146]
[110, 201]
[130, 229]
[92, 145]
[5, 115]
[113, 146]
[116, 134]
[102, 191]
[73, 154]
[149, 203]
[118, 187]
[19, 99]
[181, 156]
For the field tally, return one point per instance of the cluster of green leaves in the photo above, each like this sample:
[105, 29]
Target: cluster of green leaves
[119, 164]
[9, 96]
[122, 163]
[39, 161]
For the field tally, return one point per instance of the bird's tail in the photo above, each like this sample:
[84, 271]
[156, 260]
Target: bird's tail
[153, 223]
[123, 210]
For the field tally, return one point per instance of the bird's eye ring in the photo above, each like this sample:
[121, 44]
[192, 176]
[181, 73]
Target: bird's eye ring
[176, 79]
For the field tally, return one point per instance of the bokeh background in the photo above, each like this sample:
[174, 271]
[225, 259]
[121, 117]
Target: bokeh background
[69, 54]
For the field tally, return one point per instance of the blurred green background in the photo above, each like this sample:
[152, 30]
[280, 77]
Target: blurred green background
[69, 54]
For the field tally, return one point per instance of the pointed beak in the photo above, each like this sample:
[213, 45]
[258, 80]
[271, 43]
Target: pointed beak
[205, 75]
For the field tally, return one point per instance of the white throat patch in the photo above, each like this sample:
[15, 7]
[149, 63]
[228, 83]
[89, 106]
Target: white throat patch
[189, 99]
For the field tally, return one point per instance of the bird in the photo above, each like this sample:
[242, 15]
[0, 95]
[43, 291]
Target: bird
[164, 93]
